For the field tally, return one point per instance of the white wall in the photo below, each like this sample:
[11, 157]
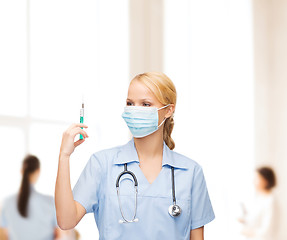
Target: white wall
[146, 36]
[270, 38]
[208, 53]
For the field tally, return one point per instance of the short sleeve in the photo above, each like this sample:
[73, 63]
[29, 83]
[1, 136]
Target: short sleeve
[201, 208]
[86, 190]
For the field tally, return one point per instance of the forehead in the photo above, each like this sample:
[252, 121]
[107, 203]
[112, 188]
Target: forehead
[259, 176]
[138, 89]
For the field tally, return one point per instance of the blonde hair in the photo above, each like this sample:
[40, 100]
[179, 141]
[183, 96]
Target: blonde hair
[164, 90]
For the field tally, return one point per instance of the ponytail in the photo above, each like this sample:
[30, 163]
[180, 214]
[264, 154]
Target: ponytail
[30, 165]
[167, 130]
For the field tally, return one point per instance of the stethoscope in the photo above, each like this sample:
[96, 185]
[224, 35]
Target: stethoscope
[174, 210]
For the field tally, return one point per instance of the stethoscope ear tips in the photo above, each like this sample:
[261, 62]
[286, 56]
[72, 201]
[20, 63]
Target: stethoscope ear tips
[136, 220]
[174, 210]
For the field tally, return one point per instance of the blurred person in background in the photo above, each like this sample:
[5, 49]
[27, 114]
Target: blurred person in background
[258, 218]
[29, 215]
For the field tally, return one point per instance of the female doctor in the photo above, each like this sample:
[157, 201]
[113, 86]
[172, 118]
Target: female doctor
[143, 189]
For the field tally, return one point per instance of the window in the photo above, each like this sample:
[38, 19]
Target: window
[53, 52]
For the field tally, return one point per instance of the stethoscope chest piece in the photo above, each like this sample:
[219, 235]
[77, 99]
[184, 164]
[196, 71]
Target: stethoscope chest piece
[174, 210]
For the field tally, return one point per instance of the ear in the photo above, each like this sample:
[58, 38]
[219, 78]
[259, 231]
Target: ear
[170, 110]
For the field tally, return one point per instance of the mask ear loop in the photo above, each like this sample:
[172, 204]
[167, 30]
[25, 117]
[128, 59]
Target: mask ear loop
[165, 117]
[163, 107]
[161, 123]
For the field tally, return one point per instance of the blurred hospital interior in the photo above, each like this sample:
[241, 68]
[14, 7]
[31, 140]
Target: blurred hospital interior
[227, 59]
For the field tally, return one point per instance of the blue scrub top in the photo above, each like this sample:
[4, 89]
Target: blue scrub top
[96, 192]
[40, 223]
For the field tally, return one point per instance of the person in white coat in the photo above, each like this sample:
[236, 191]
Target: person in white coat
[258, 219]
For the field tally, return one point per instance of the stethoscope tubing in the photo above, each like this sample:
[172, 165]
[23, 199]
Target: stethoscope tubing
[126, 172]
[118, 193]
[174, 210]
[173, 186]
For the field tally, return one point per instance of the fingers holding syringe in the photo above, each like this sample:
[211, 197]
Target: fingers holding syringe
[68, 140]
[79, 130]
[80, 141]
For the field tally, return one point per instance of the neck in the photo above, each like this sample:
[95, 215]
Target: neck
[151, 146]
[34, 177]
[264, 192]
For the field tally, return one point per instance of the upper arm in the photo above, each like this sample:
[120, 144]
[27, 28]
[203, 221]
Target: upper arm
[197, 234]
[86, 192]
[81, 211]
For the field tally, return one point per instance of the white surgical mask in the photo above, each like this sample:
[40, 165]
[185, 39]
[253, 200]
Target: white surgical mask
[142, 121]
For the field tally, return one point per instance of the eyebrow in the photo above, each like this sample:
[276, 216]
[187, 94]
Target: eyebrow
[144, 99]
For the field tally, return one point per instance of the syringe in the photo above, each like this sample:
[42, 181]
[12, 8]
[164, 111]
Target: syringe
[82, 116]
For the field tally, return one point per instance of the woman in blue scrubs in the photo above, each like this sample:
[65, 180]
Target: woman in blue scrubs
[162, 174]
[29, 215]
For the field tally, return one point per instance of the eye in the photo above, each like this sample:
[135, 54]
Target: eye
[146, 104]
[129, 103]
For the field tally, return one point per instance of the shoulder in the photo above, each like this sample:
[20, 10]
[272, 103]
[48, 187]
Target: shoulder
[9, 201]
[105, 156]
[186, 162]
[108, 152]
[269, 200]
[43, 198]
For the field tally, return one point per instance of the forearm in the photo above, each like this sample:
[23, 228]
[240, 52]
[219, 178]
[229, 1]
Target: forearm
[197, 234]
[69, 212]
[65, 205]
